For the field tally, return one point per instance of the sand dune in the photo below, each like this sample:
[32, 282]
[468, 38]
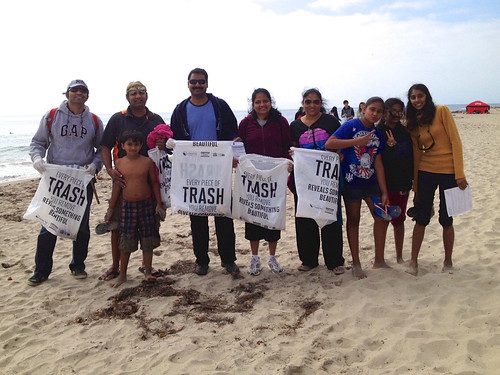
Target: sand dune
[291, 323]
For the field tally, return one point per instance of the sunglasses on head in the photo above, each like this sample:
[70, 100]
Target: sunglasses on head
[315, 102]
[79, 88]
[197, 81]
[422, 147]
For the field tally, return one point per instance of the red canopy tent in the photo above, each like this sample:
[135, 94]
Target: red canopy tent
[477, 107]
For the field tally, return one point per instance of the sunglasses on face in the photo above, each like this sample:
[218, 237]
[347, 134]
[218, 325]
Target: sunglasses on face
[397, 113]
[309, 102]
[197, 81]
[421, 146]
[134, 92]
[79, 88]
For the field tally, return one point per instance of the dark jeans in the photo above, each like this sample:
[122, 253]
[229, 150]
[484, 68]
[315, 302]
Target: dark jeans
[47, 241]
[427, 184]
[226, 239]
[308, 237]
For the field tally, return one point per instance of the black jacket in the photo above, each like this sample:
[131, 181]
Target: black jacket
[226, 124]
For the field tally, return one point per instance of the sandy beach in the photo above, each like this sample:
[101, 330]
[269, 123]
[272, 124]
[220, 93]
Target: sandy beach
[289, 323]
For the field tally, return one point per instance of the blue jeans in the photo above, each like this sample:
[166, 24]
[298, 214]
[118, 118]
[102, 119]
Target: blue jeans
[47, 241]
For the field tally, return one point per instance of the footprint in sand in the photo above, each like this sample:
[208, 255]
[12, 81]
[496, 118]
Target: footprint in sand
[437, 350]
[418, 334]
[476, 347]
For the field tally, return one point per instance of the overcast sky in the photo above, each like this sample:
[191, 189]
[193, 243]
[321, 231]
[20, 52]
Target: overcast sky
[350, 49]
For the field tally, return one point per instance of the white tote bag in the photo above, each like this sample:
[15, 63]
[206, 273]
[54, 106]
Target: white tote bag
[164, 165]
[317, 176]
[201, 178]
[259, 195]
[60, 200]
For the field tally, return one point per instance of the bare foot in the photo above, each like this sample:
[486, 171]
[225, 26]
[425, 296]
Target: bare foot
[447, 267]
[400, 260]
[149, 278]
[358, 272]
[412, 269]
[382, 264]
[121, 279]
[109, 274]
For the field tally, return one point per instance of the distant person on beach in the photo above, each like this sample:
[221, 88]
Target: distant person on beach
[364, 179]
[264, 132]
[136, 117]
[140, 204]
[311, 131]
[73, 139]
[397, 159]
[335, 113]
[438, 163]
[347, 112]
[299, 113]
[205, 117]
[361, 108]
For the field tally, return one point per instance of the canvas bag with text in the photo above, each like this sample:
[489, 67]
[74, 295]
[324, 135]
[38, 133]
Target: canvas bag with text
[202, 178]
[164, 165]
[260, 186]
[317, 183]
[60, 200]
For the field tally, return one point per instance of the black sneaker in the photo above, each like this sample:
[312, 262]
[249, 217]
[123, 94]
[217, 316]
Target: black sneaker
[201, 269]
[232, 268]
[36, 279]
[79, 274]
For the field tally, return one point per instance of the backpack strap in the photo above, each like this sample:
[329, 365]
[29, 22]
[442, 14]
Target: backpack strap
[51, 117]
[95, 121]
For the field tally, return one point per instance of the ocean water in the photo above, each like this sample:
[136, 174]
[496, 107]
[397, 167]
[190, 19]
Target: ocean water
[16, 133]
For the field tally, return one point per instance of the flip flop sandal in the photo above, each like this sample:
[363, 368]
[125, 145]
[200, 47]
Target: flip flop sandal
[381, 213]
[109, 274]
[154, 272]
[106, 227]
[394, 211]
[380, 210]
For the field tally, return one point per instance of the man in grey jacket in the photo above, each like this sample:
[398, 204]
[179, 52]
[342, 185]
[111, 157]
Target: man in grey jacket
[68, 135]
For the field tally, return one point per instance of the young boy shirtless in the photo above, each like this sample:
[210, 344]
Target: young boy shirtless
[141, 200]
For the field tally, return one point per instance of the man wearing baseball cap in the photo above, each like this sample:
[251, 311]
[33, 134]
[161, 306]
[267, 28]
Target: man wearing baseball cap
[136, 117]
[67, 135]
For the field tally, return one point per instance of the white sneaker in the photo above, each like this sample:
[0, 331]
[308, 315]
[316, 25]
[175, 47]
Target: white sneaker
[255, 266]
[274, 265]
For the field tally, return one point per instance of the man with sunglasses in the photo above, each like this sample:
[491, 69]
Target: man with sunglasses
[67, 135]
[204, 117]
[136, 117]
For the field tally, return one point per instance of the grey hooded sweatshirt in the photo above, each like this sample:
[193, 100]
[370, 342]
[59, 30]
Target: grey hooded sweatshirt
[72, 140]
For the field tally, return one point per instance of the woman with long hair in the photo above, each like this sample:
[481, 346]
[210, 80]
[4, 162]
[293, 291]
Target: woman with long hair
[361, 144]
[397, 159]
[264, 132]
[438, 163]
[312, 131]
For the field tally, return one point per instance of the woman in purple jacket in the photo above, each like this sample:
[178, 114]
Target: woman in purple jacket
[265, 132]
